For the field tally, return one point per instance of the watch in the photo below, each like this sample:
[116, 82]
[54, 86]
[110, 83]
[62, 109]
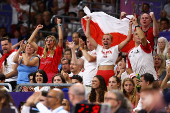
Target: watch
[137, 26]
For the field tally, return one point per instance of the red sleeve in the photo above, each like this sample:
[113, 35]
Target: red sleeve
[147, 48]
[40, 50]
[128, 61]
[58, 54]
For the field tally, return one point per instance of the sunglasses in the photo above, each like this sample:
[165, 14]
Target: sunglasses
[50, 40]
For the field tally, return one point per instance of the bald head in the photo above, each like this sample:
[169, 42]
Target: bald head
[58, 93]
[78, 89]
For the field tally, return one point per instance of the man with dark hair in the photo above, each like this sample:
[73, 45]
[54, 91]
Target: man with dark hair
[2, 80]
[67, 54]
[3, 31]
[66, 65]
[145, 80]
[9, 68]
[164, 24]
[76, 79]
[145, 8]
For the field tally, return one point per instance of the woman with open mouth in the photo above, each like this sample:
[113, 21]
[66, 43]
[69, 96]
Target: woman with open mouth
[106, 55]
[40, 77]
[28, 62]
[51, 54]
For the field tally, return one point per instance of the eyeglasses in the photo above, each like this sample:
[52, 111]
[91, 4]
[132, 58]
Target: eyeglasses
[50, 40]
[109, 98]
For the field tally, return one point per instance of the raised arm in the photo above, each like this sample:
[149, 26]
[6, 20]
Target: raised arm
[27, 62]
[88, 57]
[125, 42]
[134, 7]
[60, 33]
[74, 58]
[88, 33]
[16, 45]
[31, 39]
[17, 58]
[164, 84]
[122, 15]
[155, 25]
[139, 31]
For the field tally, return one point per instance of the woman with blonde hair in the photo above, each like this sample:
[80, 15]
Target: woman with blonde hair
[51, 54]
[162, 46]
[28, 62]
[160, 67]
[129, 90]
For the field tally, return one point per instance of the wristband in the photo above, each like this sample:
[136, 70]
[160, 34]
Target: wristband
[137, 26]
[22, 52]
[81, 48]
[59, 24]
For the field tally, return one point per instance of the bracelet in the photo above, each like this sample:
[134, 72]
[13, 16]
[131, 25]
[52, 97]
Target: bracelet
[59, 24]
[81, 48]
[137, 26]
[22, 52]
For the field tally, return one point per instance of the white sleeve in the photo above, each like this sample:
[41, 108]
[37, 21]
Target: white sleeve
[42, 108]
[168, 82]
[26, 109]
[139, 106]
[98, 48]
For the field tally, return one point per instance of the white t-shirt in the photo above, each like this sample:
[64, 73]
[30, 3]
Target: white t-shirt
[8, 67]
[168, 62]
[90, 69]
[61, 3]
[109, 9]
[106, 56]
[80, 74]
[167, 8]
[15, 14]
[45, 88]
[44, 109]
[73, 9]
[124, 75]
[141, 61]
[73, 27]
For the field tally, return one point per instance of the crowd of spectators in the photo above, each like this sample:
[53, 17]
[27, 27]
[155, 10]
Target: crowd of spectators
[133, 82]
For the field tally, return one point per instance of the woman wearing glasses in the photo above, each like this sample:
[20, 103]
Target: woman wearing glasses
[51, 54]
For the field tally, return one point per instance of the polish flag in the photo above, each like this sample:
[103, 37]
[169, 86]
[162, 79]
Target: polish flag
[102, 23]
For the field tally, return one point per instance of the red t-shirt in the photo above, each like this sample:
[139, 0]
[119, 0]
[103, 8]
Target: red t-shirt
[50, 64]
[149, 36]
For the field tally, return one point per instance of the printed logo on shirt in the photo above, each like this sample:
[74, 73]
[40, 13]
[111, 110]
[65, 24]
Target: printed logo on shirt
[105, 53]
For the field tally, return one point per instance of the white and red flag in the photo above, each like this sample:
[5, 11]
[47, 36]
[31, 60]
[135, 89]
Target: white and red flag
[102, 23]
